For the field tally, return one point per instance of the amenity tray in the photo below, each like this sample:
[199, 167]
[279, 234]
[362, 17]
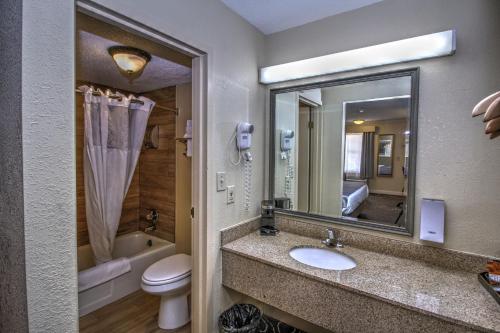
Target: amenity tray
[483, 278]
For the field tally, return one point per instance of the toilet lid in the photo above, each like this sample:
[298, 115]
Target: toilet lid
[168, 270]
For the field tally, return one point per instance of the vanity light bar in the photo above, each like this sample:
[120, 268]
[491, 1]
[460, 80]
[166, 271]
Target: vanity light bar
[422, 47]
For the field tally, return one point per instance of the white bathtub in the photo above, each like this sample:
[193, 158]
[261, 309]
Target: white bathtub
[137, 248]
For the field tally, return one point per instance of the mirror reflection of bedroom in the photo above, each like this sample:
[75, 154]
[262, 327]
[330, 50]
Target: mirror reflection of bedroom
[375, 159]
[343, 151]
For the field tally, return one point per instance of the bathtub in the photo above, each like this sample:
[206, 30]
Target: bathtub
[141, 252]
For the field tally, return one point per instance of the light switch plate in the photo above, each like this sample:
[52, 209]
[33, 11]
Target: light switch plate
[230, 194]
[221, 181]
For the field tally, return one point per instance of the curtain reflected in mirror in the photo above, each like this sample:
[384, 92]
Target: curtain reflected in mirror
[343, 151]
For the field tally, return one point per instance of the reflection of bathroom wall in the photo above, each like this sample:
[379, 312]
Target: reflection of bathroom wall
[130, 210]
[157, 167]
[327, 143]
[287, 118]
[303, 159]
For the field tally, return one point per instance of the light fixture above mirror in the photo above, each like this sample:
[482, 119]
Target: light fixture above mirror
[130, 61]
[438, 44]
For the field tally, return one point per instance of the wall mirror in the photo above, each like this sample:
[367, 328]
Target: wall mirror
[344, 151]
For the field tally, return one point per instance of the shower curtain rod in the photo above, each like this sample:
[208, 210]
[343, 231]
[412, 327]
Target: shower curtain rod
[134, 100]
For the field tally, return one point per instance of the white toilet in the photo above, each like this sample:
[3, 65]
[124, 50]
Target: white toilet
[170, 278]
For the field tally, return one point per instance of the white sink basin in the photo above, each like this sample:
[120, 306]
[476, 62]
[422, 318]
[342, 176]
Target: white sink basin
[322, 258]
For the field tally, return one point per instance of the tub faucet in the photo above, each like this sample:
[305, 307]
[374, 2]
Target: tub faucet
[332, 240]
[152, 216]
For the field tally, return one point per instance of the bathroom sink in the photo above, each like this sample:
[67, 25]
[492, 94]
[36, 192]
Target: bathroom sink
[322, 258]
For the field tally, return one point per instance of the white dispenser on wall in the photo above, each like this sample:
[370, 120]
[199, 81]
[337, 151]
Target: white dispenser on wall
[432, 213]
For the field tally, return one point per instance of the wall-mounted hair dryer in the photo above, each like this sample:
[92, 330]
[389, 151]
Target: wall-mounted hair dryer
[244, 139]
[243, 135]
[286, 140]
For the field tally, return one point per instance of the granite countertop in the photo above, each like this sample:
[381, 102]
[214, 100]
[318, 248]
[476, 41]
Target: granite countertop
[453, 295]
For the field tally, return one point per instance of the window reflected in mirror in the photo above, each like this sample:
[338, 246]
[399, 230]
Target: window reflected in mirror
[343, 151]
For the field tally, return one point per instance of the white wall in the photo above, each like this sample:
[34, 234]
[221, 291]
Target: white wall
[455, 160]
[327, 163]
[49, 165]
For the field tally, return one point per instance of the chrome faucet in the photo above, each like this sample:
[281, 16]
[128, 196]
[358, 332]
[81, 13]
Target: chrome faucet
[332, 240]
[153, 216]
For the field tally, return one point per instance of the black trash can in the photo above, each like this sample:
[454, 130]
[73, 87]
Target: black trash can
[240, 318]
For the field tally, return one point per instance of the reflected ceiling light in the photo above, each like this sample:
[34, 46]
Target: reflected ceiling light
[130, 61]
[422, 47]
[358, 121]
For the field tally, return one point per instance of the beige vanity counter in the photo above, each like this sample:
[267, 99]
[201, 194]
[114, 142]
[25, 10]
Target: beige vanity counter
[383, 293]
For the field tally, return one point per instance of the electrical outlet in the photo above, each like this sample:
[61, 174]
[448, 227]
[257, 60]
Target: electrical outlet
[230, 194]
[221, 181]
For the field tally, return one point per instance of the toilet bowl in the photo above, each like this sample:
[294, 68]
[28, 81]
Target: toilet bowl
[170, 278]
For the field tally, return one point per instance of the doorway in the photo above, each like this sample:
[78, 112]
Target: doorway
[194, 232]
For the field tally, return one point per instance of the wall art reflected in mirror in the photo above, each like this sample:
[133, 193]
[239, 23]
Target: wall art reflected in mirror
[344, 151]
[385, 153]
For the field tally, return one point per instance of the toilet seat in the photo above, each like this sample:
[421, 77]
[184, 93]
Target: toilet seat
[168, 270]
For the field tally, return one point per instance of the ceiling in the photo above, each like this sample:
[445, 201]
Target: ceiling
[95, 65]
[271, 16]
[386, 109]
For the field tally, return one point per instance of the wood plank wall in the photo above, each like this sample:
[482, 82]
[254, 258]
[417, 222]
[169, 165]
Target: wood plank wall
[157, 167]
[153, 184]
[183, 173]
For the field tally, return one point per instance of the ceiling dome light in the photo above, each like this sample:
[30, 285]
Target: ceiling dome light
[358, 121]
[130, 60]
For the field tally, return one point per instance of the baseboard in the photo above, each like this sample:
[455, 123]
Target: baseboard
[388, 192]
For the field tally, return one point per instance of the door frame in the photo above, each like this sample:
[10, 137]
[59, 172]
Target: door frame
[199, 297]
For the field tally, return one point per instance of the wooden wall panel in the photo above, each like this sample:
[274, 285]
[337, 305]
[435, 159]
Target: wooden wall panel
[157, 167]
[183, 174]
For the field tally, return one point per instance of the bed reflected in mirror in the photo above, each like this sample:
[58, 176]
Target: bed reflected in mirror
[344, 151]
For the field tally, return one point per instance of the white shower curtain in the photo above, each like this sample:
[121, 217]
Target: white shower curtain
[114, 131]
